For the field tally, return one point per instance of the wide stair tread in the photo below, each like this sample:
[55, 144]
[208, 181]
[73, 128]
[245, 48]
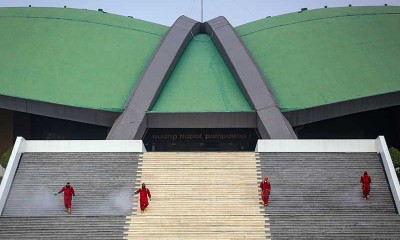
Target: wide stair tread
[62, 227]
[200, 196]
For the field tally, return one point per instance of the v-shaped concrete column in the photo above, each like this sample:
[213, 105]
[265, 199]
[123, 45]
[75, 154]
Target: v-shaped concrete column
[271, 123]
[131, 124]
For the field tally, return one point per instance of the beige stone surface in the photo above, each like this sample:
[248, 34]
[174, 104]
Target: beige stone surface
[200, 196]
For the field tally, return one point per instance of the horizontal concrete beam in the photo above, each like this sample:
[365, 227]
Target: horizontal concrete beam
[84, 146]
[202, 120]
[321, 145]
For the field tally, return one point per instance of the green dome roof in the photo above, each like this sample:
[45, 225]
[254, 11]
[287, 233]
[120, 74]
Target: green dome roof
[93, 60]
[74, 57]
[324, 56]
[201, 82]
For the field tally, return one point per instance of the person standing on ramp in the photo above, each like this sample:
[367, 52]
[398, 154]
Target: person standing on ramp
[68, 193]
[265, 190]
[144, 193]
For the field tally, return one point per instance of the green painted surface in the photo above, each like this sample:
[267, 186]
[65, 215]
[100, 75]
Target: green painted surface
[73, 57]
[329, 55]
[201, 82]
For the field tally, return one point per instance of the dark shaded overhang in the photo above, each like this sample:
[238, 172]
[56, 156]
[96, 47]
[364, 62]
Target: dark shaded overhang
[202, 120]
[339, 109]
[84, 115]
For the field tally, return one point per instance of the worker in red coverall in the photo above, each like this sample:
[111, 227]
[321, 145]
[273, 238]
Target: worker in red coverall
[265, 190]
[68, 193]
[144, 192]
[365, 181]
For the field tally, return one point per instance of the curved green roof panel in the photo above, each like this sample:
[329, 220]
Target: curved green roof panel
[201, 82]
[74, 57]
[324, 56]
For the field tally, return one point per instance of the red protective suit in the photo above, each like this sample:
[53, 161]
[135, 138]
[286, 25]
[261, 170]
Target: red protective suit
[144, 202]
[366, 181]
[265, 190]
[68, 193]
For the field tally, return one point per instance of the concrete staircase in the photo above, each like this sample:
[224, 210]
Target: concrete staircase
[199, 196]
[318, 196]
[103, 183]
[206, 195]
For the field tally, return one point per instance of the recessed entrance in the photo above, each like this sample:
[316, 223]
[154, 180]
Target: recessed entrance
[200, 139]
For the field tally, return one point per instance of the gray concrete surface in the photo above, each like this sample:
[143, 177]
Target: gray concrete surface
[318, 196]
[103, 184]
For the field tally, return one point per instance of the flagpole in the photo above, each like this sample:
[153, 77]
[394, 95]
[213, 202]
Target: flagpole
[201, 10]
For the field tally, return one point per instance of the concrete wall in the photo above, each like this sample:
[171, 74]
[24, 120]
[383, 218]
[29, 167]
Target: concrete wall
[85, 146]
[389, 169]
[356, 145]
[19, 148]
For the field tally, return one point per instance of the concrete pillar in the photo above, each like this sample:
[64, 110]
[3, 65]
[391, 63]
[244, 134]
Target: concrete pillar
[22, 125]
[397, 129]
[6, 130]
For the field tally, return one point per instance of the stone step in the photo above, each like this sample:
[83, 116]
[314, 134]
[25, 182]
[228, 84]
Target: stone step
[70, 227]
